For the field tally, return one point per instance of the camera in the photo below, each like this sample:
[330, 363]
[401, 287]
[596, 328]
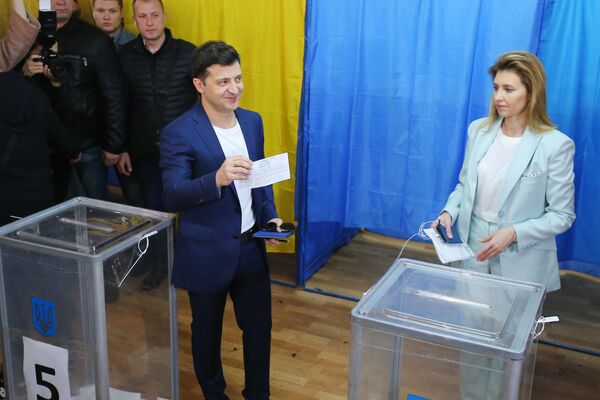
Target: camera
[63, 67]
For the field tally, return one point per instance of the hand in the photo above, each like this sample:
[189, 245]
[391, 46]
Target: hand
[446, 220]
[32, 67]
[496, 243]
[75, 159]
[124, 165]
[48, 73]
[275, 242]
[109, 158]
[233, 168]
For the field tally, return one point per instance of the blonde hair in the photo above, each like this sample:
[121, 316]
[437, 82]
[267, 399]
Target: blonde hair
[531, 72]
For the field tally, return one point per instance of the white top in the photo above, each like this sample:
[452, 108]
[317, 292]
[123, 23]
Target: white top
[233, 144]
[491, 174]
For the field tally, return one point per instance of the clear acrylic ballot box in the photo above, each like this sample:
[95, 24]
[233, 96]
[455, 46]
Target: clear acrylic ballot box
[431, 332]
[86, 306]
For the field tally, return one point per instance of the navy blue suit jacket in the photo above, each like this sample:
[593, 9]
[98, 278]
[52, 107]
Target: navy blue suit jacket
[207, 245]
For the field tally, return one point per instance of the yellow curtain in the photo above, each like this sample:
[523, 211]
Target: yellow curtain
[4, 10]
[269, 35]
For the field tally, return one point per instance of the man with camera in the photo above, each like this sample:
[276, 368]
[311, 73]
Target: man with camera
[80, 74]
[108, 16]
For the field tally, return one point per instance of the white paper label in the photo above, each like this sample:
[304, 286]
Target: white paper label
[46, 370]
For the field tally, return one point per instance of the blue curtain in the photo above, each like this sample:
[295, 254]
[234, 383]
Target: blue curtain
[570, 50]
[389, 89]
[316, 239]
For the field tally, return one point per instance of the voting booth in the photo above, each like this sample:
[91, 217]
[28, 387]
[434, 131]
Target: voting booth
[426, 331]
[77, 322]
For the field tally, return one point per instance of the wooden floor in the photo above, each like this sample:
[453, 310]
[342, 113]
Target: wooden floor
[311, 335]
[311, 332]
[311, 343]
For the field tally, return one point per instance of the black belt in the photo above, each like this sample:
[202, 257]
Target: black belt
[245, 236]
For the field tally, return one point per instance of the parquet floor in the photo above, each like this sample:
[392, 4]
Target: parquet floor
[310, 347]
[311, 332]
[310, 352]
[559, 374]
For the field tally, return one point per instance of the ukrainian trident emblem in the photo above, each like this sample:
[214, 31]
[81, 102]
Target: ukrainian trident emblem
[44, 316]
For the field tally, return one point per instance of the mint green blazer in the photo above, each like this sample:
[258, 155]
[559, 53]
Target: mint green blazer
[537, 199]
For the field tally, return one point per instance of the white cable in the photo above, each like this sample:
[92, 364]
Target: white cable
[420, 233]
[540, 324]
[143, 251]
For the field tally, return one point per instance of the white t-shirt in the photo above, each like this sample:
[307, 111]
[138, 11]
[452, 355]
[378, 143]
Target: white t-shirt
[233, 144]
[491, 175]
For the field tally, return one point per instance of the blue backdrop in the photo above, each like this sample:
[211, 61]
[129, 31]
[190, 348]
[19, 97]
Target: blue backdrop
[389, 89]
[570, 50]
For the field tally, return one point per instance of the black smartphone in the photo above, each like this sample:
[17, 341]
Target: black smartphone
[442, 231]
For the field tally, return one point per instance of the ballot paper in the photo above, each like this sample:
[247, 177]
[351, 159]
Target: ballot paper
[267, 171]
[123, 395]
[448, 252]
[89, 393]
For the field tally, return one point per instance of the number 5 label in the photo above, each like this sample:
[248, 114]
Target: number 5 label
[46, 370]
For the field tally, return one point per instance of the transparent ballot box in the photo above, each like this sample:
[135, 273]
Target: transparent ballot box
[86, 307]
[431, 332]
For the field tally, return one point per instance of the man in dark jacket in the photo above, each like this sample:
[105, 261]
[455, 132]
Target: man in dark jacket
[157, 75]
[108, 16]
[28, 132]
[157, 69]
[85, 88]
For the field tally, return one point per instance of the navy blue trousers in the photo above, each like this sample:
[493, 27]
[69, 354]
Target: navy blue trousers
[250, 291]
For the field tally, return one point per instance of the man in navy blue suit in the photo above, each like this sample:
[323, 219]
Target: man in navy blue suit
[204, 154]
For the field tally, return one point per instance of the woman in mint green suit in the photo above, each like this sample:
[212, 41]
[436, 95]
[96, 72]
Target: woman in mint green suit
[515, 191]
[514, 195]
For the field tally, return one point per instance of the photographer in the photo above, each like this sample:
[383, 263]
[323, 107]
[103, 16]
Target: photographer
[20, 35]
[82, 78]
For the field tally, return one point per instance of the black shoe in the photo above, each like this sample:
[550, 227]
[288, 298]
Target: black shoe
[2, 387]
[219, 397]
[153, 280]
[111, 293]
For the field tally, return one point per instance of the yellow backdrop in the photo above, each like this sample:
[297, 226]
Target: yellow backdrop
[269, 36]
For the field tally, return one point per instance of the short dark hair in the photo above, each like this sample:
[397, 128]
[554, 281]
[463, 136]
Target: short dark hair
[147, 1]
[211, 53]
[118, 1]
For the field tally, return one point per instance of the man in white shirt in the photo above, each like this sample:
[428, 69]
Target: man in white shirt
[204, 153]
